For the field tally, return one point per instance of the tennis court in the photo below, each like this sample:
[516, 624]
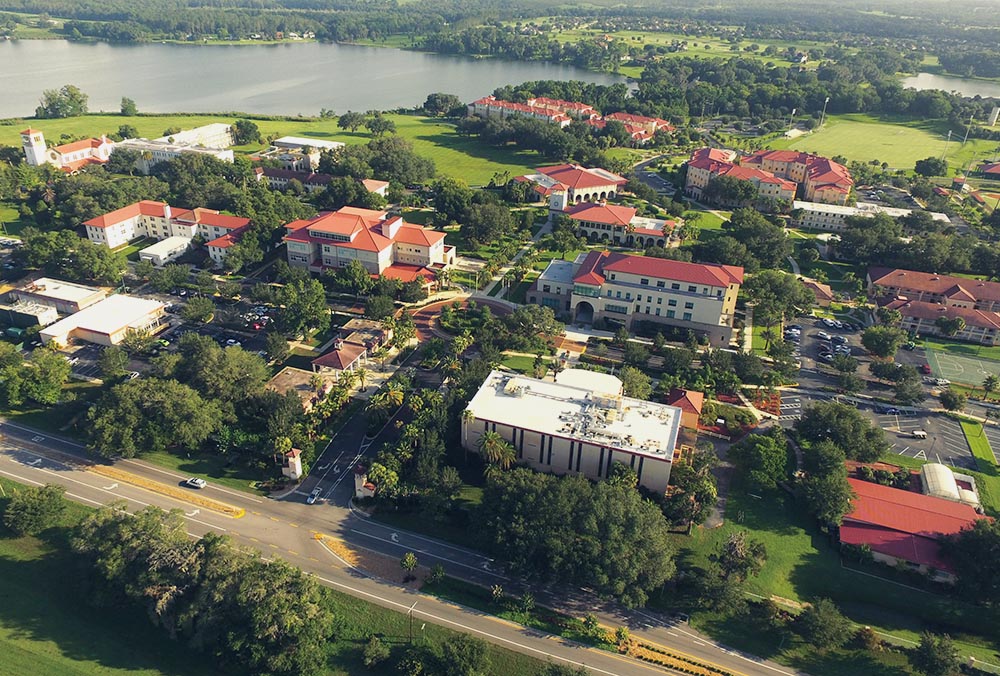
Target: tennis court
[960, 369]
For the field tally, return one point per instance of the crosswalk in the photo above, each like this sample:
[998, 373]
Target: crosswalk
[791, 409]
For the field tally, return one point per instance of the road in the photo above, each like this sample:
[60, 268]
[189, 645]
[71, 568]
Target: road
[287, 528]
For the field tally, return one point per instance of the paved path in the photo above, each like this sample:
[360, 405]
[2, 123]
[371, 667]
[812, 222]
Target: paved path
[287, 528]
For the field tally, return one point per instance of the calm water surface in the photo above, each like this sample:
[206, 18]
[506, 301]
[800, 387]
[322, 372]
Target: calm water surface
[950, 83]
[287, 79]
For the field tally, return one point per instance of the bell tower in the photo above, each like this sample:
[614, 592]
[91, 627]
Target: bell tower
[33, 143]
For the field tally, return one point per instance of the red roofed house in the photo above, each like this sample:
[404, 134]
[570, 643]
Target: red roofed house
[69, 157]
[617, 224]
[623, 289]
[708, 163]
[566, 184]
[690, 402]
[990, 170]
[160, 221]
[385, 245]
[650, 125]
[903, 526]
[933, 288]
[491, 106]
[822, 179]
[920, 318]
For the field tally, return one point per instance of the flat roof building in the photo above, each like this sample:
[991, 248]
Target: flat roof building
[107, 322]
[580, 424]
[165, 250]
[65, 297]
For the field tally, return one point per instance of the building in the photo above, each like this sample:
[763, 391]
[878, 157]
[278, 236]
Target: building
[920, 318]
[377, 187]
[822, 292]
[152, 153]
[933, 288]
[580, 424]
[566, 184]
[300, 142]
[941, 482]
[217, 135]
[902, 527]
[709, 163]
[25, 314]
[106, 322]
[278, 179]
[491, 106]
[822, 179]
[625, 289]
[383, 244]
[690, 403]
[650, 124]
[65, 297]
[69, 157]
[832, 217]
[986, 170]
[358, 340]
[614, 224]
[295, 153]
[169, 225]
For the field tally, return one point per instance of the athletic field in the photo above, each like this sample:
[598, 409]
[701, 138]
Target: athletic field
[969, 371]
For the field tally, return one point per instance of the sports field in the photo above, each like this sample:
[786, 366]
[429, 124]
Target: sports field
[454, 155]
[961, 369]
[900, 144]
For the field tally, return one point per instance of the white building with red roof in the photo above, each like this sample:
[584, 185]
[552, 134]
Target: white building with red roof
[618, 224]
[920, 318]
[160, 221]
[491, 106]
[565, 184]
[650, 125]
[931, 287]
[708, 163]
[822, 179]
[624, 289]
[383, 244]
[69, 157]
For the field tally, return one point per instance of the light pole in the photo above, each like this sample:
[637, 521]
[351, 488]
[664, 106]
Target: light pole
[822, 117]
[409, 614]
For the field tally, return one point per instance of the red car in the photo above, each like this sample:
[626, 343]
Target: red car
[926, 368]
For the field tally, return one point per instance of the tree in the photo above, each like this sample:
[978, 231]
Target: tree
[380, 125]
[952, 400]
[740, 557]
[276, 346]
[379, 307]
[823, 625]
[123, 161]
[828, 496]
[846, 427]
[931, 166]
[762, 459]
[33, 509]
[991, 384]
[113, 362]
[883, 341]
[972, 553]
[244, 132]
[199, 309]
[464, 655]
[376, 652]
[908, 391]
[949, 326]
[495, 450]
[936, 655]
[441, 104]
[408, 562]
[636, 383]
[776, 296]
[635, 354]
[304, 307]
[128, 108]
[126, 131]
[351, 120]
[67, 101]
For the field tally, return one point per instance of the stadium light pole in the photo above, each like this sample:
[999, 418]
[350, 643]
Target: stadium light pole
[822, 117]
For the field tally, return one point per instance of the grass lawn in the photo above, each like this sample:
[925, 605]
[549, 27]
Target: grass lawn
[803, 565]
[54, 420]
[47, 628]
[706, 219]
[899, 142]
[454, 155]
[219, 469]
[980, 446]
[10, 220]
[758, 342]
[132, 249]
[521, 363]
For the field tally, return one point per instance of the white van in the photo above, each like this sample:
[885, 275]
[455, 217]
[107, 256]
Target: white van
[919, 434]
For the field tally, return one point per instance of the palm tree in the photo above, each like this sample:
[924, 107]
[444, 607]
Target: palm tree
[348, 378]
[393, 396]
[496, 450]
[362, 375]
[316, 382]
[990, 385]
[467, 417]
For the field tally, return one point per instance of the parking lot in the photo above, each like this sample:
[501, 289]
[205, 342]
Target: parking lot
[945, 441]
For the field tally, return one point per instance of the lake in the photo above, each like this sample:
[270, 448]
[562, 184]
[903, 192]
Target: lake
[286, 79]
[950, 83]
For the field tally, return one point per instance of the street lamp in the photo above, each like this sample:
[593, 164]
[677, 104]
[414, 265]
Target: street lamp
[822, 117]
[409, 614]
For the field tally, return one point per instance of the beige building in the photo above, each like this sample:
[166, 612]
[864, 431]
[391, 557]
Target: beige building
[832, 217]
[930, 287]
[65, 297]
[580, 424]
[623, 289]
[106, 322]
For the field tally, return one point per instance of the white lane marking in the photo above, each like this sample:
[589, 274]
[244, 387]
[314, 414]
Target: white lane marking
[427, 553]
[213, 487]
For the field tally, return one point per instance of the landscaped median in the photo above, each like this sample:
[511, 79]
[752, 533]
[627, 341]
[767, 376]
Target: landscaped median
[338, 549]
[176, 492]
[980, 446]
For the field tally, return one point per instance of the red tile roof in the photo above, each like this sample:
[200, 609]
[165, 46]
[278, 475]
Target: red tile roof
[366, 228]
[930, 312]
[577, 177]
[988, 168]
[903, 524]
[209, 217]
[610, 214]
[371, 185]
[29, 131]
[229, 239]
[144, 208]
[341, 358]
[639, 120]
[83, 144]
[408, 273]
[598, 263]
[689, 401]
[939, 285]
[415, 234]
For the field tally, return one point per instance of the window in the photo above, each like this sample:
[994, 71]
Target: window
[628, 295]
[660, 284]
[675, 286]
[612, 275]
[687, 316]
[647, 309]
[657, 312]
[688, 306]
[649, 299]
[672, 302]
[670, 314]
[617, 309]
[692, 289]
[618, 294]
[609, 293]
[644, 282]
[718, 293]
[546, 288]
[659, 301]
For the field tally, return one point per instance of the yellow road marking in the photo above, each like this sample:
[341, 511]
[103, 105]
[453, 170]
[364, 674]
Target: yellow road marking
[184, 495]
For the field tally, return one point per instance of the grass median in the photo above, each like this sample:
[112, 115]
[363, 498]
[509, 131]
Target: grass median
[176, 492]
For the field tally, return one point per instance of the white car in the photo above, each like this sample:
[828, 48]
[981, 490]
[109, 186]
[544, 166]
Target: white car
[314, 496]
[823, 335]
[942, 382]
[195, 482]
[133, 375]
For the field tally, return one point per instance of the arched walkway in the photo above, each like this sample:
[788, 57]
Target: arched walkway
[584, 313]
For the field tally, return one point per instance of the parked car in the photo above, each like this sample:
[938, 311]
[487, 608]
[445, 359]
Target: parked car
[827, 357]
[133, 375]
[195, 482]
[925, 368]
[823, 335]
[910, 346]
[942, 382]
[314, 496]
[840, 340]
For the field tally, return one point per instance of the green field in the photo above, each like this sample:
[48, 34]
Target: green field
[11, 221]
[455, 155]
[899, 143]
[980, 446]
[46, 627]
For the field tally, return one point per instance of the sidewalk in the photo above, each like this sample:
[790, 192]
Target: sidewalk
[485, 291]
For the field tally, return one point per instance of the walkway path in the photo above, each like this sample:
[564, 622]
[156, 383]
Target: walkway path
[795, 266]
[485, 291]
